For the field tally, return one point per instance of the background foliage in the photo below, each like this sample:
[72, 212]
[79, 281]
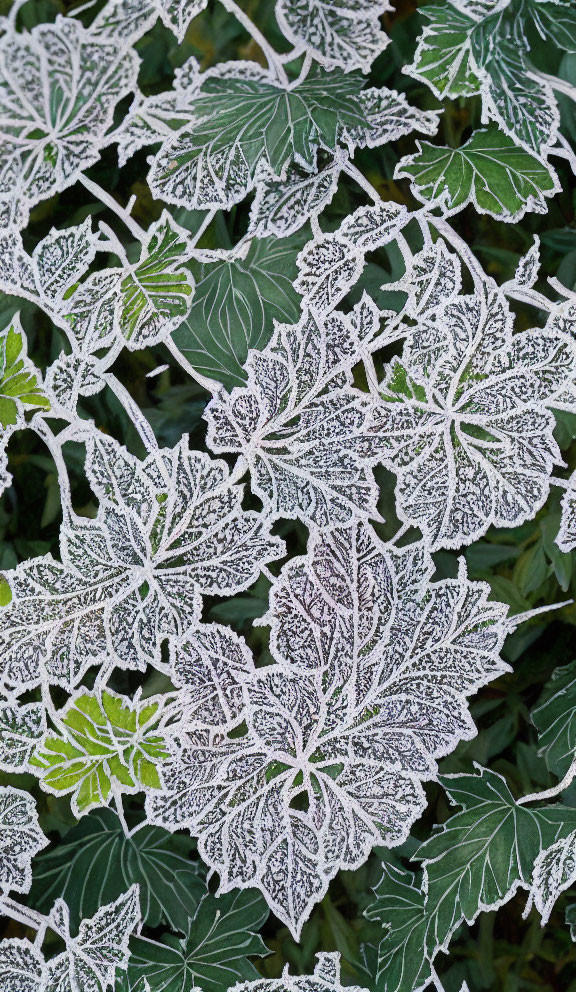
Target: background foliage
[525, 569]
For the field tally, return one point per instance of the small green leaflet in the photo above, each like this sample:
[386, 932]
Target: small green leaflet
[158, 290]
[235, 306]
[400, 906]
[96, 863]
[19, 379]
[244, 123]
[555, 720]
[490, 171]
[215, 953]
[474, 862]
[104, 738]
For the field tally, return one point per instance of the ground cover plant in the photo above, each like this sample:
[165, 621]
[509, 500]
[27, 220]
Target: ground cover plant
[288, 495]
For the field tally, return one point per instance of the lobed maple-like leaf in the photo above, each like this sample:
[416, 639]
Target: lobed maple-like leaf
[129, 19]
[466, 418]
[372, 668]
[21, 728]
[325, 978]
[59, 86]
[21, 966]
[107, 744]
[167, 530]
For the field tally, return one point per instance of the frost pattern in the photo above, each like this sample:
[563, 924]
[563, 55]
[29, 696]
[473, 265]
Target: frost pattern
[21, 839]
[325, 978]
[372, 669]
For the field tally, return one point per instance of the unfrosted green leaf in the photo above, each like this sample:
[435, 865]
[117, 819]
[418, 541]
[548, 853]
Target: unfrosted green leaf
[19, 379]
[555, 719]
[214, 955]
[96, 862]
[235, 306]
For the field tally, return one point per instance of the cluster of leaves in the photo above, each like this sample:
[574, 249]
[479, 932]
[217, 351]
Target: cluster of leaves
[288, 495]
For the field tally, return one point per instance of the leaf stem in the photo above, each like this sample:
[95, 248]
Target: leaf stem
[554, 791]
[270, 53]
[351, 170]
[133, 226]
[22, 914]
[133, 410]
[210, 385]
[39, 425]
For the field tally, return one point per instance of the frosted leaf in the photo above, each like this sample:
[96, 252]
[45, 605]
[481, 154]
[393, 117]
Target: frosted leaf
[387, 117]
[528, 266]
[466, 421]
[90, 960]
[155, 118]
[61, 259]
[325, 978]
[21, 728]
[130, 19]
[554, 872]
[141, 303]
[167, 530]
[282, 206]
[21, 966]
[20, 839]
[106, 744]
[59, 86]
[368, 692]
[331, 264]
[305, 434]
[343, 33]
[211, 665]
[245, 127]
[433, 279]
[566, 539]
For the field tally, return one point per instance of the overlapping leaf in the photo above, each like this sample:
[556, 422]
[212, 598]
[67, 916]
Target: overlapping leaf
[20, 839]
[369, 687]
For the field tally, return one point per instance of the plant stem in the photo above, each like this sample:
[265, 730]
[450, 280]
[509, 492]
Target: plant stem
[133, 226]
[39, 425]
[22, 914]
[255, 33]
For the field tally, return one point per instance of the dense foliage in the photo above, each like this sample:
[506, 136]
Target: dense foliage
[288, 511]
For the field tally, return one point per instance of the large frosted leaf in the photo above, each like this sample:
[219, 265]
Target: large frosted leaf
[58, 89]
[141, 303]
[467, 418]
[91, 958]
[368, 689]
[344, 33]
[167, 530]
[96, 863]
[555, 720]
[106, 745]
[236, 303]
[215, 953]
[489, 170]
[20, 839]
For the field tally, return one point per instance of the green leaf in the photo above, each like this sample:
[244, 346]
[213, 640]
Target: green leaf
[235, 306]
[444, 57]
[490, 170]
[96, 863]
[400, 906]
[19, 379]
[106, 738]
[556, 22]
[555, 719]
[472, 863]
[244, 123]
[157, 292]
[215, 953]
